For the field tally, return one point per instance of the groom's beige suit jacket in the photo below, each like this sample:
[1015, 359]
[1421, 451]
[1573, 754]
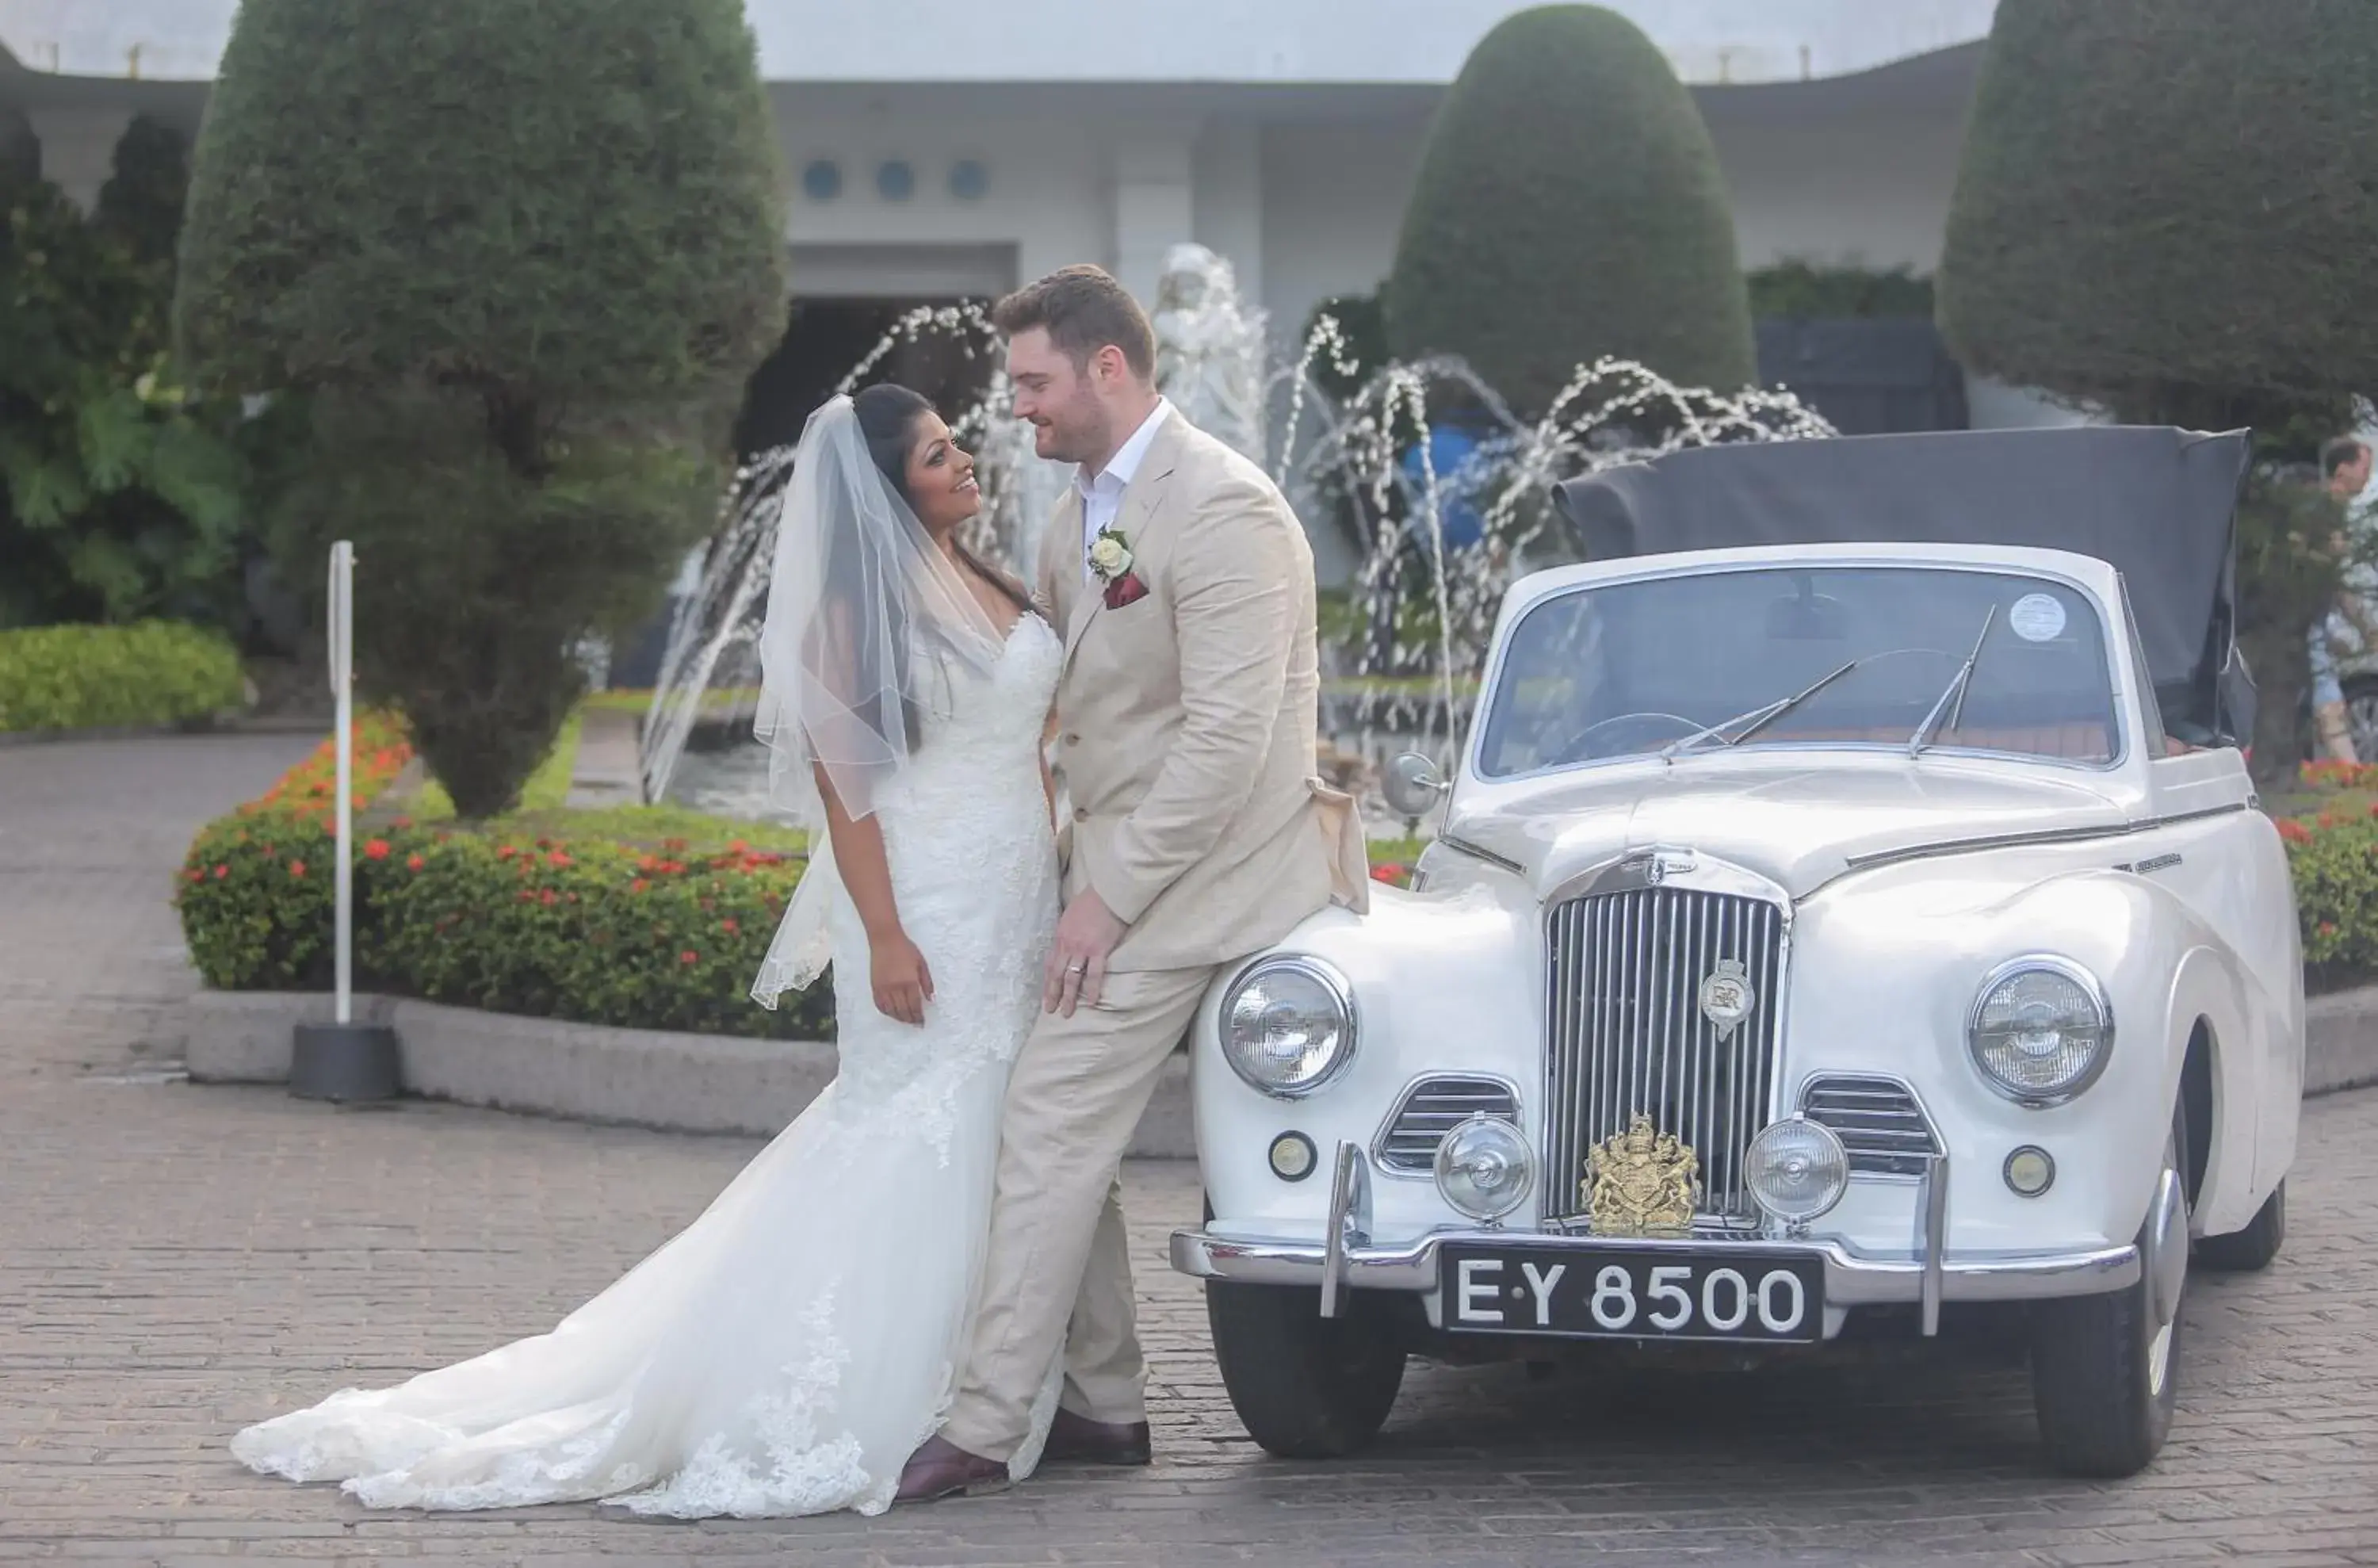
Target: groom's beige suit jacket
[1185, 720]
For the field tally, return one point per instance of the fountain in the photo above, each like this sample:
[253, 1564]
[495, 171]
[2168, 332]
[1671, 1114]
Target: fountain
[1425, 600]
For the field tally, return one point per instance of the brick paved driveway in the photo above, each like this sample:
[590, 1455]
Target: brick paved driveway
[176, 1261]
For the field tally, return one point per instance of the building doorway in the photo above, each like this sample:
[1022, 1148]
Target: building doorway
[824, 338]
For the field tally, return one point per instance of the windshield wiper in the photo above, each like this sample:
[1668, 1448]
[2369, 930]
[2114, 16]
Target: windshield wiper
[1760, 717]
[1955, 694]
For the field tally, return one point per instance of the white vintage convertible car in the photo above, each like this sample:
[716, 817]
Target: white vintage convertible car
[1851, 912]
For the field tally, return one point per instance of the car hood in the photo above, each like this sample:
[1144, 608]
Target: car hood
[1798, 825]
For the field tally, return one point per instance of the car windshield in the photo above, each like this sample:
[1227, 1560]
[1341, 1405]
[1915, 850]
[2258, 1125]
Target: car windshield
[1696, 663]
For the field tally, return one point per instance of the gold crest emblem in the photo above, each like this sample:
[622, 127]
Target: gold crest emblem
[1641, 1182]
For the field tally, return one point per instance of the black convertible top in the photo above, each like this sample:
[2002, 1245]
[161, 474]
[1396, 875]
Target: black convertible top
[2154, 502]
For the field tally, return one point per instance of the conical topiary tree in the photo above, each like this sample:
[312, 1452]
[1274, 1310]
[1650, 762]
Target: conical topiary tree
[2167, 206]
[525, 256]
[1570, 205]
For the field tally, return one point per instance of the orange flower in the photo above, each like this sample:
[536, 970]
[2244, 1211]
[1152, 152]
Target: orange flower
[550, 897]
[505, 852]
[1391, 872]
[737, 847]
[557, 858]
[2328, 928]
[2295, 832]
[222, 872]
[413, 863]
[297, 868]
[637, 886]
[729, 925]
[193, 874]
[689, 957]
[375, 849]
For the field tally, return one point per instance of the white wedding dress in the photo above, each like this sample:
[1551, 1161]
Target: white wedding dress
[788, 1351]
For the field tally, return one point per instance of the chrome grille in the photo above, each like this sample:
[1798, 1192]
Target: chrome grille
[1878, 1121]
[1433, 1108]
[1627, 1034]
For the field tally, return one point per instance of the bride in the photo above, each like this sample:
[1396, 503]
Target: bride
[788, 1351]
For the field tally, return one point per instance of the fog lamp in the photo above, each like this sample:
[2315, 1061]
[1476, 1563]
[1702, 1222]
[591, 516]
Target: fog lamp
[1292, 1157]
[1484, 1167]
[1796, 1169]
[2030, 1171]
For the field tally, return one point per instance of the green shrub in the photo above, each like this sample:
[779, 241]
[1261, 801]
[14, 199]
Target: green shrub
[598, 932]
[2163, 201]
[122, 497]
[115, 677]
[1570, 205]
[1804, 290]
[525, 283]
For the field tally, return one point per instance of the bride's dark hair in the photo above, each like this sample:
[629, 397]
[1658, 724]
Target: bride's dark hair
[887, 414]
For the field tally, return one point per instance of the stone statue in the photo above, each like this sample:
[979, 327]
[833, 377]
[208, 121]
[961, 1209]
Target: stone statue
[1210, 349]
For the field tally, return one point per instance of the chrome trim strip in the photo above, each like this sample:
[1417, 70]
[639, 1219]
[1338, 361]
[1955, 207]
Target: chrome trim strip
[1851, 1278]
[1463, 846]
[2032, 839]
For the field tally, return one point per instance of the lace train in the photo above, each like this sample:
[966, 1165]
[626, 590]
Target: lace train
[787, 1351]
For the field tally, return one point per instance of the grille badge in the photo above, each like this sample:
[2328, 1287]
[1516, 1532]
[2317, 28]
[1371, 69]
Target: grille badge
[1727, 996]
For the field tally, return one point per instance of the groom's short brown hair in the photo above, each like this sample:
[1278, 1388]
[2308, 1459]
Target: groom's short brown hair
[1083, 310]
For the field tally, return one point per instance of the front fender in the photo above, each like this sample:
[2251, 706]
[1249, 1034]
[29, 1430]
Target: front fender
[1886, 969]
[1442, 982]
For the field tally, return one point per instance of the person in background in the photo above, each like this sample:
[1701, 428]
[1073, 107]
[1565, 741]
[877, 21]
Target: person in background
[2352, 619]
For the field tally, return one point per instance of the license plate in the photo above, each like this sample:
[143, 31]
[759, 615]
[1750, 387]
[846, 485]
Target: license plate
[1734, 1293]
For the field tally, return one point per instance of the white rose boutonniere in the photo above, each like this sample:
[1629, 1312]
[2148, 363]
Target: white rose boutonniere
[1110, 555]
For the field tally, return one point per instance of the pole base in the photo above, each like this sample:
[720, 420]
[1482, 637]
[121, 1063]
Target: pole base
[344, 1062]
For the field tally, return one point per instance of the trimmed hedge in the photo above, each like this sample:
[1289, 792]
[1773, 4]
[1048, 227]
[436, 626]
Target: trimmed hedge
[1570, 205]
[153, 672]
[597, 932]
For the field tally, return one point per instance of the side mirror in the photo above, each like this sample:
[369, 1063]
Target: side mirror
[1410, 784]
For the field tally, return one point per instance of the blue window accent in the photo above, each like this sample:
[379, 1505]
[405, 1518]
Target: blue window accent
[896, 181]
[968, 179]
[822, 181]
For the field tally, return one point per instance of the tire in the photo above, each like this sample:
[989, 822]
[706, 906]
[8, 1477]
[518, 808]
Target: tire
[2105, 1368]
[1304, 1386]
[2253, 1248]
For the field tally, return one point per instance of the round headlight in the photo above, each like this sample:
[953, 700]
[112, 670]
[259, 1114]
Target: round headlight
[2041, 1030]
[1288, 1025]
[1797, 1169]
[1484, 1167]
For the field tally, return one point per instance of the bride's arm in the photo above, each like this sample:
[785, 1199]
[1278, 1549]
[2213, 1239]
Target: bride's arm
[901, 982]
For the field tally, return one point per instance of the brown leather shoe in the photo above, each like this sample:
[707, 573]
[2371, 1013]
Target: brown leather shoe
[940, 1469]
[1078, 1439]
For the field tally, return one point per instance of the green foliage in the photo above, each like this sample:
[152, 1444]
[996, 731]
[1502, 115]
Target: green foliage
[597, 932]
[546, 790]
[551, 203]
[474, 581]
[121, 497]
[525, 284]
[2162, 200]
[1804, 290]
[2288, 575]
[115, 677]
[1569, 206]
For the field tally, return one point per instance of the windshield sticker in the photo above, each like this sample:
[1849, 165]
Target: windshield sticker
[2037, 618]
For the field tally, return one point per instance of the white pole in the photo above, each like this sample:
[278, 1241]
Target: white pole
[343, 670]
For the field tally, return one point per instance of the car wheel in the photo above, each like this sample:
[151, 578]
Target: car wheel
[2246, 1250]
[1304, 1386]
[2105, 1367]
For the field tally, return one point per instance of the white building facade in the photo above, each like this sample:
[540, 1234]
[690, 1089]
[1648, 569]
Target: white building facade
[947, 148]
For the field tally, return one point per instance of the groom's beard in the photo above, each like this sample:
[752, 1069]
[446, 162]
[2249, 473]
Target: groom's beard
[1079, 437]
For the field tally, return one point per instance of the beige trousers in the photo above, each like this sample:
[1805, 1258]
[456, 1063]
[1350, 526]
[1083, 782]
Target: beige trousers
[1057, 1276]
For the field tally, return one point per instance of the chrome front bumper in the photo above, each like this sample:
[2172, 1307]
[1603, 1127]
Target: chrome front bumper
[1850, 1278]
[1350, 1260]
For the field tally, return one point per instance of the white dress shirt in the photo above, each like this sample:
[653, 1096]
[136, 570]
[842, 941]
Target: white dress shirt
[1102, 495]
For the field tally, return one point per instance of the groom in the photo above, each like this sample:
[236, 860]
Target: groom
[1199, 832]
